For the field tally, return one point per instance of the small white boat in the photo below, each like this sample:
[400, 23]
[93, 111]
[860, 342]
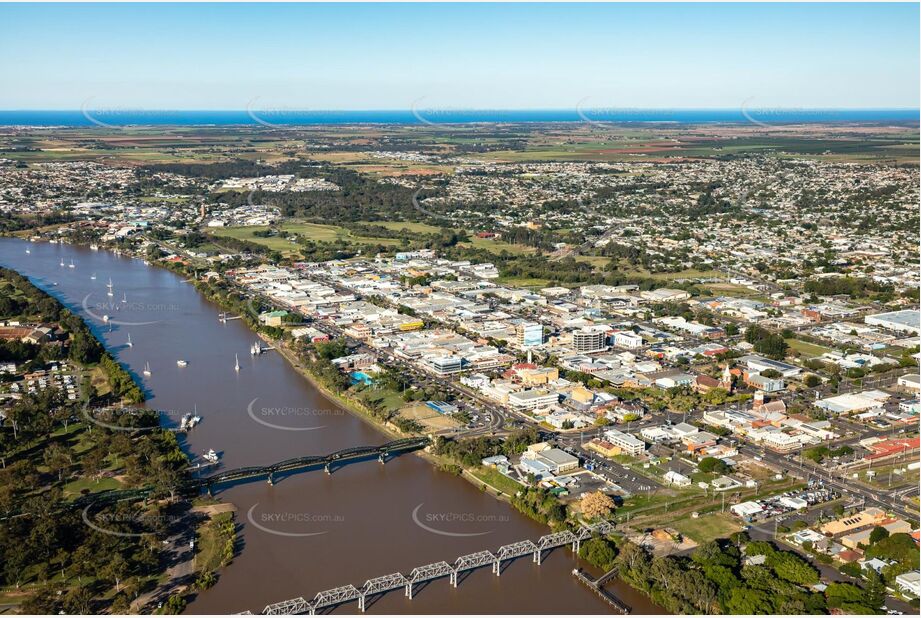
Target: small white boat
[129, 344]
[62, 261]
[105, 318]
[125, 298]
[181, 363]
[109, 285]
[255, 349]
[146, 369]
[93, 276]
[28, 251]
[236, 363]
[189, 421]
[211, 456]
[71, 264]
[94, 247]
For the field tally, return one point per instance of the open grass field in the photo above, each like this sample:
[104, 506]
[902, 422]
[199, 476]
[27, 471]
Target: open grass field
[707, 527]
[498, 246]
[412, 226]
[806, 348]
[729, 289]
[524, 282]
[330, 233]
[211, 541]
[599, 262]
[75, 489]
[314, 231]
[496, 479]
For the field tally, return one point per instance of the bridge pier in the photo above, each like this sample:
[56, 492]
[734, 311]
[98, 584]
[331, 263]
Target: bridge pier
[270, 480]
[454, 578]
[361, 604]
[210, 493]
[382, 458]
[409, 591]
[326, 468]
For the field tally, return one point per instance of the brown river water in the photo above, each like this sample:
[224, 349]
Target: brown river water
[310, 531]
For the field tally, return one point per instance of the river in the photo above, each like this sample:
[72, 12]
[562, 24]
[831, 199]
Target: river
[309, 532]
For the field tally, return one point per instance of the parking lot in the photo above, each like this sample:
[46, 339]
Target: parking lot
[816, 493]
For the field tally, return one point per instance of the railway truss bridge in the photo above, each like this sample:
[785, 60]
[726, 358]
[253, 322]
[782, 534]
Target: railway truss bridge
[437, 570]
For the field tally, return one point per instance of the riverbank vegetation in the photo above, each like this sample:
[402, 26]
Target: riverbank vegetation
[217, 542]
[62, 450]
[737, 576]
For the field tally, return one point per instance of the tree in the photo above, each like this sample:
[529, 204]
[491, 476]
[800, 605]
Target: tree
[57, 458]
[878, 534]
[716, 554]
[712, 464]
[78, 601]
[596, 504]
[898, 547]
[115, 570]
[206, 580]
[790, 567]
[174, 605]
[599, 553]
[747, 601]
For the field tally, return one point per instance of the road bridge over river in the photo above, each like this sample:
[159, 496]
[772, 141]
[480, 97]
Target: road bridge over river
[381, 452]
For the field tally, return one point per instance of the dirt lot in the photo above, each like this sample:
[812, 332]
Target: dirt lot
[429, 418]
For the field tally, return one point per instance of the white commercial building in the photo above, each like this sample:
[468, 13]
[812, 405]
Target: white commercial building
[627, 443]
[746, 509]
[532, 399]
[907, 320]
[628, 339]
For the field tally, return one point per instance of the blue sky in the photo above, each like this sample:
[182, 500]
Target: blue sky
[511, 56]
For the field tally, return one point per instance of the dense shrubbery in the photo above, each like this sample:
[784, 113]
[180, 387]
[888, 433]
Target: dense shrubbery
[770, 344]
[715, 580]
[857, 287]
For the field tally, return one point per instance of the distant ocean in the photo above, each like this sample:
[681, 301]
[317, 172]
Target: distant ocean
[78, 118]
